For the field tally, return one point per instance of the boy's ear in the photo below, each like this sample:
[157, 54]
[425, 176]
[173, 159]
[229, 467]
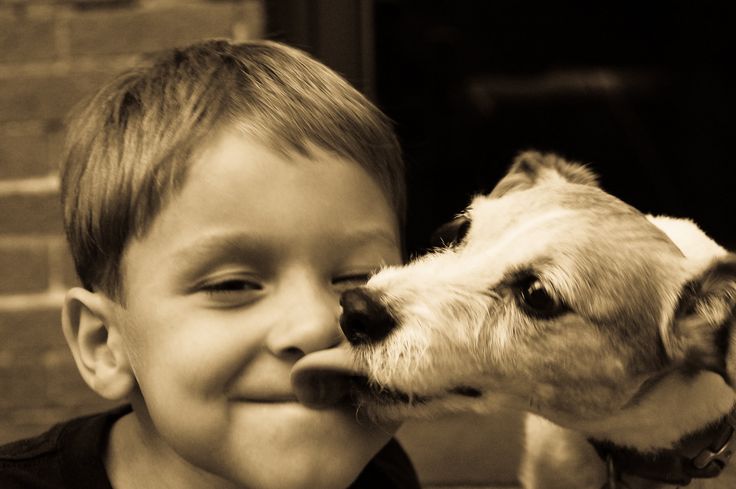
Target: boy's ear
[531, 168]
[94, 339]
[703, 332]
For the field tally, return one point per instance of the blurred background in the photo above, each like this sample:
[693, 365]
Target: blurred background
[642, 92]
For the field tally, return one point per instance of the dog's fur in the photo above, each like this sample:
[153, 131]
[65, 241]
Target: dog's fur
[632, 343]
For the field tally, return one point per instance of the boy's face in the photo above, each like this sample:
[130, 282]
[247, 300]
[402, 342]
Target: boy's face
[238, 278]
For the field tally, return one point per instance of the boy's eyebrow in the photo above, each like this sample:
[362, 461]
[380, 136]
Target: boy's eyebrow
[261, 247]
[218, 244]
[197, 256]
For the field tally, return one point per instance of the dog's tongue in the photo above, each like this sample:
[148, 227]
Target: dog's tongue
[323, 379]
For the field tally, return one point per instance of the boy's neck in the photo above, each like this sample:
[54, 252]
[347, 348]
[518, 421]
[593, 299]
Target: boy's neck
[136, 457]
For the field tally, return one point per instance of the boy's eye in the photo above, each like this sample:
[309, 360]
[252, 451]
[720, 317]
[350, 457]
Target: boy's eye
[232, 285]
[230, 292]
[352, 279]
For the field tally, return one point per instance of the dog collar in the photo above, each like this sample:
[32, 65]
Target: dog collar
[700, 455]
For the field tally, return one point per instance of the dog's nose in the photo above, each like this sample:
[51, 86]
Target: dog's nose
[364, 319]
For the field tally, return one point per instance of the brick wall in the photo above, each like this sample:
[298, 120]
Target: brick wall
[52, 53]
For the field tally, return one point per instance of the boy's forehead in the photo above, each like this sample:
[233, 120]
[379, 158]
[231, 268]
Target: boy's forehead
[263, 154]
[240, 196]
[236, 152]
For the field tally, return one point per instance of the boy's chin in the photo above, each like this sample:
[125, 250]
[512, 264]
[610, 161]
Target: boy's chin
[325, 448]
[331, 461]
[337, 475]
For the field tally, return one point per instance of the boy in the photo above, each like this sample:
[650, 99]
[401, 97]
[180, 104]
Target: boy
[216, 203]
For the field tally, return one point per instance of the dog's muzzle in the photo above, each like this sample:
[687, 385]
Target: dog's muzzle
[364, 318]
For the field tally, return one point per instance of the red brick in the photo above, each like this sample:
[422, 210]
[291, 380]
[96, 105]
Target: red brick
[20, 357]
[50, 379]
[23, 270]
[26, 214]
[11, 430]
[31, 331]
[17, 423]
[42, 414]
[65, 387]
[55, 132]
[88, 4]
[68, 272]
[27, 98]
[23, 387]
[26, 39]
[23, 156]
[140, 31]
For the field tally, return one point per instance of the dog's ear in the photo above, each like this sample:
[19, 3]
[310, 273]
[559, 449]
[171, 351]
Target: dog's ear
[531, 168]
[703, 331]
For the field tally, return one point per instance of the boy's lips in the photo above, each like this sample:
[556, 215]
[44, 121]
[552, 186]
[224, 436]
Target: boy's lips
[325, 378]
[265, 400]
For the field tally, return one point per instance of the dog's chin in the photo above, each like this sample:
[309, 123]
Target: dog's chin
[396, 411]
[378, 403]
[383, 403]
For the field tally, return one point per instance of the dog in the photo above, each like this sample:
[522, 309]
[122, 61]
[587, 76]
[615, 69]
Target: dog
[614, 331]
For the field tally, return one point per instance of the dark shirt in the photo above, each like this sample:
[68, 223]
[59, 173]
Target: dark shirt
[70, 456]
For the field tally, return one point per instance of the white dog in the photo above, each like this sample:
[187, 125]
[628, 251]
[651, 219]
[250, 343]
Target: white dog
[614, 329]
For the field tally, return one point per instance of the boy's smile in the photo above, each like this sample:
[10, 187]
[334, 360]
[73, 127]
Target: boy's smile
[238, 278]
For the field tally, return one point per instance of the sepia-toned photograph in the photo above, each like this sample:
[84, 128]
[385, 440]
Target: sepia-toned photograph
[367, 244]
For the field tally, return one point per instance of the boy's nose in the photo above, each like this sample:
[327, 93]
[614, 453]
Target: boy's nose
[307, 323]
[364, 319]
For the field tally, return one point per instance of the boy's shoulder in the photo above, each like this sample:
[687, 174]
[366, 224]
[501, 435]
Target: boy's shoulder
[68, 455]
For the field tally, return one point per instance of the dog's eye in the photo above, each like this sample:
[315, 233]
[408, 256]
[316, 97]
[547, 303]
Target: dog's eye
[537, 300]
[451, 233]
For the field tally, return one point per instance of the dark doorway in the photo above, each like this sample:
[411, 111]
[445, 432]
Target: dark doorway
[640, 91]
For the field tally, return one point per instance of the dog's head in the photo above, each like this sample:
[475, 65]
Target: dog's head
[549, 295]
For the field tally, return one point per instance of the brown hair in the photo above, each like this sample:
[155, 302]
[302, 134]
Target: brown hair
[130, 146]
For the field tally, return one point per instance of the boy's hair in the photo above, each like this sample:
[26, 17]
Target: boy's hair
[129, 148]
